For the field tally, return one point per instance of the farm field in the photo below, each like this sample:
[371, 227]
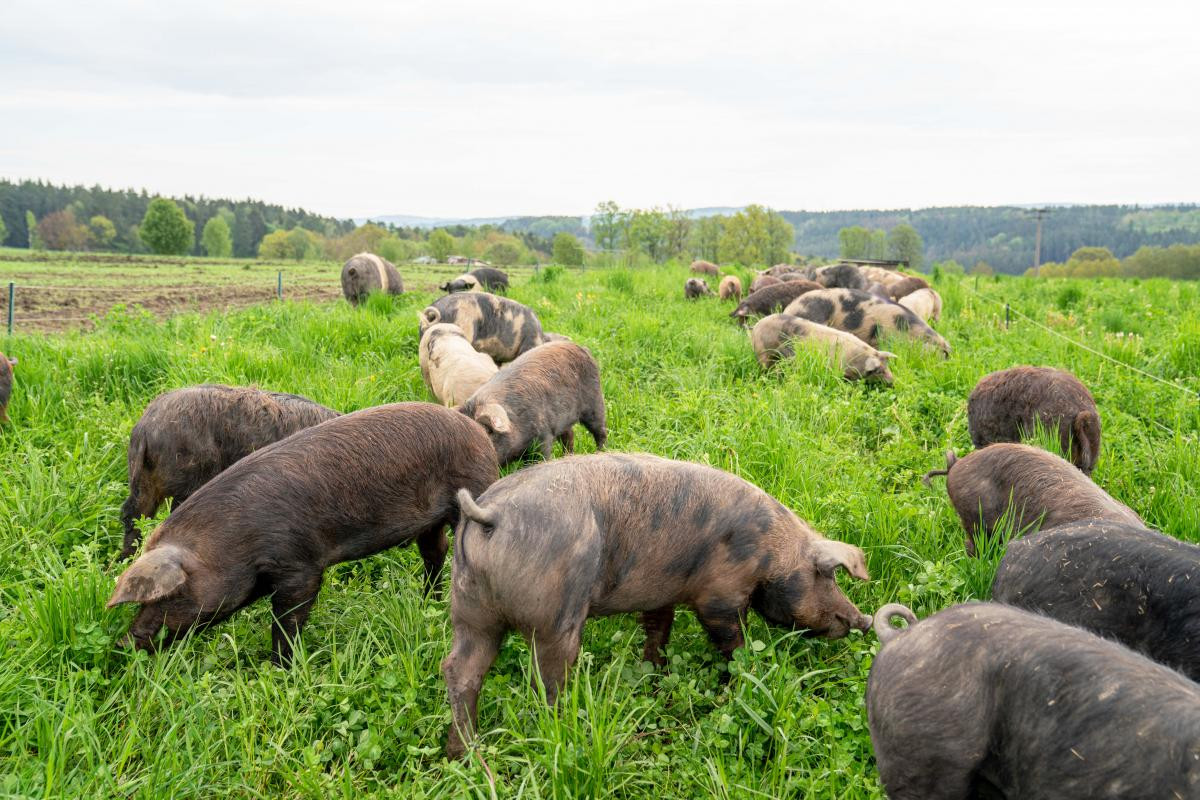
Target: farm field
[363, 711]
[58, 291]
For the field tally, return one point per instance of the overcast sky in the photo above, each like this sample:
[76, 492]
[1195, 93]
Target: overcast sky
[478, 109]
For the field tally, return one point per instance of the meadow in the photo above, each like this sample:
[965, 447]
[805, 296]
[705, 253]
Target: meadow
[363, 711]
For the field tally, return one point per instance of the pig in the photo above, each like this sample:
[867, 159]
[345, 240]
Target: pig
[795, 276]
[588, 536]
[452, 369]
[705, 268]
[905, 286]
[1009, 404]
[695, 287]
[878, 290]
[1123, 582]
[771, 299]
[887, 277]
[188, 436]
[730, 288]
[985, 700]
[502, 328]
[539, 398]
[366, 273]
[273, 522]
[779, 270]
[492, 279]
[1037, 488]
[555, 337]
[463, 283]
[773, 338]
[762, 281]
[841, 276]
[864, 315]
[925, 303]
[6, 381]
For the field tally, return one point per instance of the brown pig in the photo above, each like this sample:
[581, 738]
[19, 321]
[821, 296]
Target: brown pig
[1034, 487]
[702, 267]
[539, 398]
[1009, 404]
[730, 288]
[272, 523]
[6, 380]
[366, 273]
[762, 281]
[695, 287]
[502, 328]
[771, 299]
[906, 285]
[589, 536]
[186, 437]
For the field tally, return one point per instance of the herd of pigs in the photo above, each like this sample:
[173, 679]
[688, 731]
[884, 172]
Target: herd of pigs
[1076, 682]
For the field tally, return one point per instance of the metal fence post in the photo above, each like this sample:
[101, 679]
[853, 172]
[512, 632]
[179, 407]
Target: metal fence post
[1006, 316]
[11, 292]
[279, 285]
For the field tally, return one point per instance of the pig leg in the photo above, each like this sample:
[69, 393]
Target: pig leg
[432, 545]
[142, 502]
[291, 603]
[568, 441]
[594, 422]
[554, 658]
[548, 446]
[657, 624]
[471, 656]
[722, 621]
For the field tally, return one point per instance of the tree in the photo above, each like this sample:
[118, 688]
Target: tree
[275, 245]
[567, 250]
[606, 225]
[904, 244]
[505, 254]
[165, 229]
[102, 230]
[3, 231]
[756, 235]
[679, 225]
[854, 242]
[441, 244]
[302, 242]
[35, 241]
[60, 231]
[706, 237]
[217, 238]
[647, 231]
[1092, 262]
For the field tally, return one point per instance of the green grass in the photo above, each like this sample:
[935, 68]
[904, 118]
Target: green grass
[363, 712]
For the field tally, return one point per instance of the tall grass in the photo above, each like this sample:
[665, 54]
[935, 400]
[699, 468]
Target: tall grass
[363, 712]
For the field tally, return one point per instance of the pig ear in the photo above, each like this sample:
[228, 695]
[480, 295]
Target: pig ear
[154, 576]
[12, 362]
[885, 355]
[494, 416]
[828, 555]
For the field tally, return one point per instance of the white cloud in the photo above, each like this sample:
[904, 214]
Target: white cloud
[486, 108]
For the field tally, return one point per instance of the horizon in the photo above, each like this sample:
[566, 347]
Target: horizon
[460, 112]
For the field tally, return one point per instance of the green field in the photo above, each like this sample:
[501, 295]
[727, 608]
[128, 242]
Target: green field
[363, 711]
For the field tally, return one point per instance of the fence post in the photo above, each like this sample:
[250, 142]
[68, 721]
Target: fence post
[11, 291]
[1006, 316]
[279, 285]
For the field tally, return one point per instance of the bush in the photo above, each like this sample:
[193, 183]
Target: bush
[165, 229]
[1068, 296]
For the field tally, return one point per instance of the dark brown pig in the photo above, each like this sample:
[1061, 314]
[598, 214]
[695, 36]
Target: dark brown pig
[539, 398]
[366, 273]
[273, 522]
[906, 286]
[492, 279]
[762, 281]
[866, 316]
[841, 276]
[1032, 487]
[6, 382]
[589, 536]
[188, 436]
[771, 299]
[986, 701]
[502, 328]
[695, 287]
[1008, 405]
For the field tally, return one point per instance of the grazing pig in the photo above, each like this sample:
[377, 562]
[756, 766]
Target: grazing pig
[841, 276]
[463, 283]
[187, 437]
[492, 279]
[539, 398]
[905, 286]
[502, 328]
[588, 536]
[695, 287]
[887, 277]
[366, 273]
[1034, 487]
[866, 316]
[1124, 582]
[771, 299]
[773, 338]
[983, 700]
[878, 290]
[762, 281]
[554, 337]
[273, 522]
[730, 288]
[6, 380]
[705, 268]
[1007, 405]
[925, 303]
[452, 369]
[779, 270]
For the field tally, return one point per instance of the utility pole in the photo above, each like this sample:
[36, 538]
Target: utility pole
[1039, 214]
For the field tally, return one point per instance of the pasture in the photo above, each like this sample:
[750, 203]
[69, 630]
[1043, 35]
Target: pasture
[363, 711]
